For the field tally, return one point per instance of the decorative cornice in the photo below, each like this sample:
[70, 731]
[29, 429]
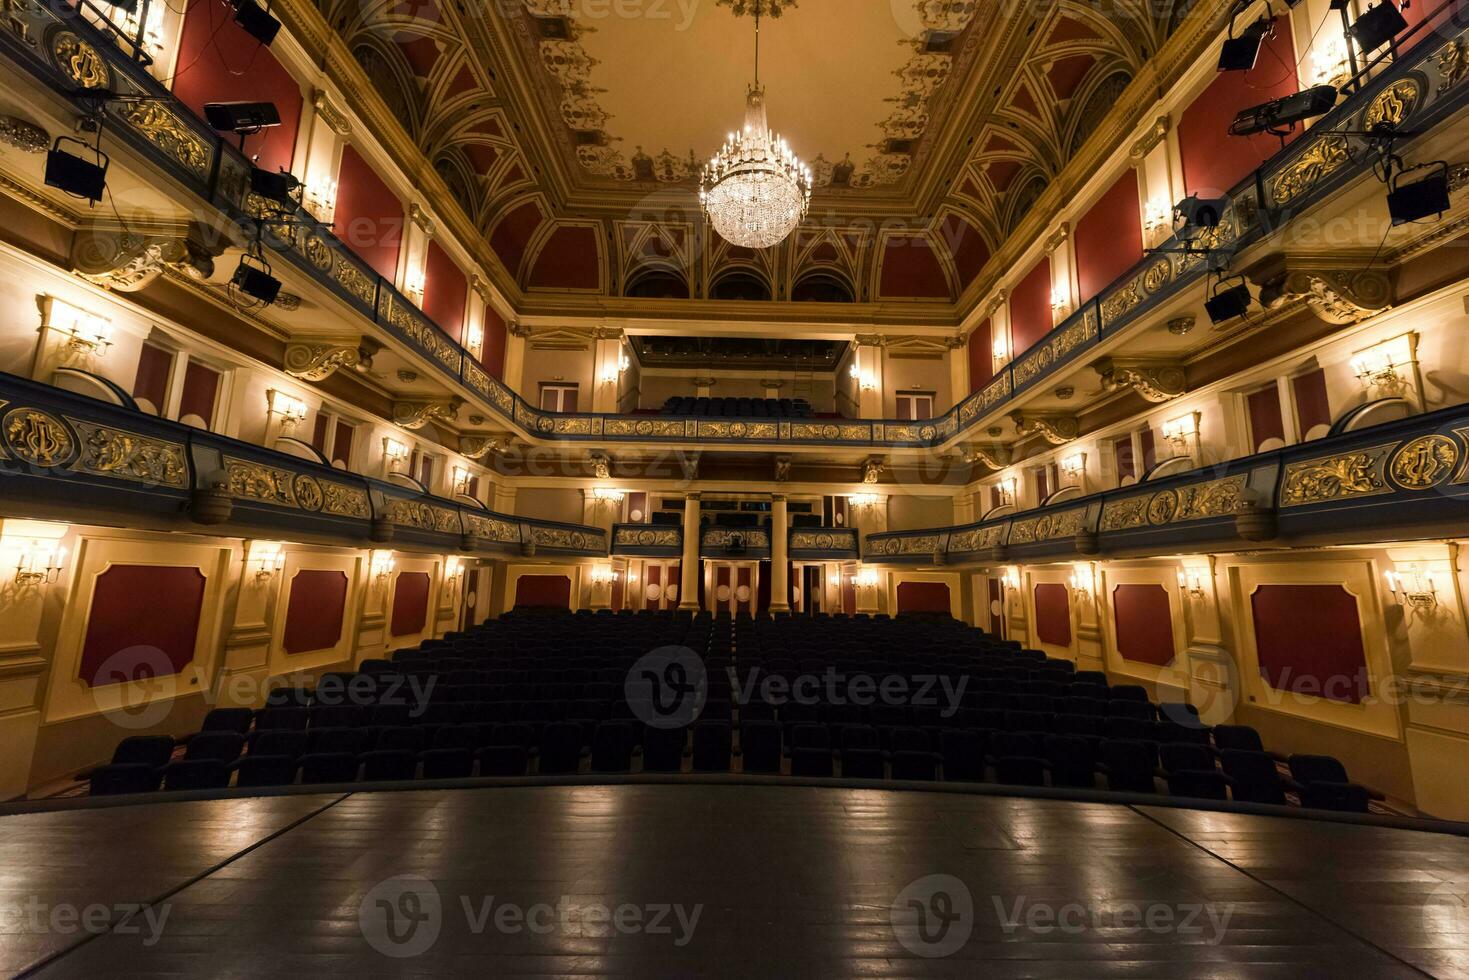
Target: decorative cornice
[1155, 134]
[330, 114]
[995, 457]
[1156, 381]
[415, 415]
[421, 218]
[872, 468]
[1338, 296]
[478, 447]
[1055, 429]
[319, 361]
[1058, 237]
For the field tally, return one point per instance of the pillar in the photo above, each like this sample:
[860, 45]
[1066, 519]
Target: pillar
[869, 377]
[688, 590]
[963, 509]
[607, 382]
[514, 374]
[780, 586]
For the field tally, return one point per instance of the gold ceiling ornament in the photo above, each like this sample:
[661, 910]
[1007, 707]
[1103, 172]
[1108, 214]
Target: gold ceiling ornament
[755, 191]
[759, 8]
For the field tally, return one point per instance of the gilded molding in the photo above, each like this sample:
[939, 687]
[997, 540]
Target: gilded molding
[24, 135]
[330, 114]
[1425, 462]
[1046, 527]
[810, 539]
[1360, 473]
[1055, 429]
[415, 415]
[38, 438]
[976, 539]
[648, 537]
[1324, 157]
[1053, 350]
[107, 451]
[1156, 133]
[1217, 498]
[317, 362]
[1155, 381]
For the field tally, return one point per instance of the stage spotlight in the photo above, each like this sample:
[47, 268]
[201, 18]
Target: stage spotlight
[1379, 25]
[1228, 304]
[256, 21]
[252, 277]
[243, 118]
[1198, 213]
[1281, 114]
[74, 175]
[1423, 198]
[1241, 53]
[280, 188]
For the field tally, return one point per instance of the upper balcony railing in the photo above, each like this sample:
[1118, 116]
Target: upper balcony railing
[64, 50]
[1400, 480]
[63, 455]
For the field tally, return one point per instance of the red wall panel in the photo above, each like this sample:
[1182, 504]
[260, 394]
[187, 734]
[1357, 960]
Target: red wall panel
[981, 357]
[1265, 418]
[492, 355]
[445, 291]
[1309, 640]
[315, 611]
[1109, 238]
[1144, 624]
[543, 590]
[1313, 407]
[219, 62]
[1030, 308]
[1053, 614]
[929, 597]
[1213, 160]
[571, 259]
[368, 216]
[410, 604]
[144, 622]
[911, 268]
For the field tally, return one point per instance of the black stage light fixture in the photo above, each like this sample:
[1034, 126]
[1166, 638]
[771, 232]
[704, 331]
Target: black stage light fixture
[1379, 25]
[1241, 53]
[1228, 304]
[1198, 213]
[252, 277]
[1282, 114]
[243, 118]
[76, 175]
[256, 21]
[280, 188]
[1425, 197]
[128, 6]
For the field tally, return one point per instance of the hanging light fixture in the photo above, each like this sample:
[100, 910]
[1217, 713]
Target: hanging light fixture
[755, 190]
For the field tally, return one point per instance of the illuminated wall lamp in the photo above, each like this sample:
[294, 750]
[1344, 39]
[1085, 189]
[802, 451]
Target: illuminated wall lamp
[414, 285]
[863, 500]
[1159, 215]
[1413, 589]
[88, 333]
[268, 560]
[321, 198]
[461, 478]
[1007, 487]
[382, 564]
[1082, 583]
[1329, 63]
[1378, 367]
[609, 494]
[1190, 583]
[603, 575]
[1001, 349]
[1181, 431]
[453, 567]
[395, 452]
[1073, 466]
[1010, 581]
[291, 409]
[867, 578]
[39, 562]
[1060, 299]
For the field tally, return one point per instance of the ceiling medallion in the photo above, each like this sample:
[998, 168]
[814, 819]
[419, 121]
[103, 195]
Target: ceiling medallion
[755, 191]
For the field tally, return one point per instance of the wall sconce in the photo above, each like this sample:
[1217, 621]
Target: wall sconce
[603, 575]
[461, 478]
[1073, 466]
[1377, 367]
[90, 333]
[863, 499]
[867, 578]
[453, 566]
[1158, 215]
[320, 198]
[1181, 431]
[39, 561]
[268, 557]
[395, 452]
[152, 32]
[609, 494]
[1007, 487]
[1060, 299]
[382, 564]
[1010, 580]
[474, 336]
[1413, 589]
[1001, 349]
[1083, 582]
[414, 284]
[290, 408]
[1190, 583]
[1329, 62]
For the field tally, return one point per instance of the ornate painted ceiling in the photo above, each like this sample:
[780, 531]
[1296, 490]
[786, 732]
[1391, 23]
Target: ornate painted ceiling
[571, 135]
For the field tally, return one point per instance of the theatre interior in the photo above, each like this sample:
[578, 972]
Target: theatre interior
[855, 473]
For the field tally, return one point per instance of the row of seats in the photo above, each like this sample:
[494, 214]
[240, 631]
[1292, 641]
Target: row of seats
[769, 408]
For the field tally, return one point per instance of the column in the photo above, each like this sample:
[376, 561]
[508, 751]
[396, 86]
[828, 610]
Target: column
[514, 374]
[688, 590]
[608, 367]
[417, 232]
[1063, 274]
[780, 586]
[869, 377]
[963, 508]
[958, 358]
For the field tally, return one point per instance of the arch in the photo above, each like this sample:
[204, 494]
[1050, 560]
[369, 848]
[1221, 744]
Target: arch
[1172, 466]
[1024, 199]
[1063, 494]
[1098, 102]
[741, 284]
[456, 173]
[392, 79]
[654, 281]
[1374, 412]
[823, 286]
[1004, 510]
[93, 386]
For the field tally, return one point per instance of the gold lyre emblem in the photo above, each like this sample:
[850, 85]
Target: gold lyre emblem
[1424, 462]
[37, 438]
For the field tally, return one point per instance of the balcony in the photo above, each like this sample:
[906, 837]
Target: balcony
[1396, 481]
[63, 455]
[59, 47]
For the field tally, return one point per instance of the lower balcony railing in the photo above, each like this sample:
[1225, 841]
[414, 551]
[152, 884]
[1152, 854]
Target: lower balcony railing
[1400, 480]
[68, 457]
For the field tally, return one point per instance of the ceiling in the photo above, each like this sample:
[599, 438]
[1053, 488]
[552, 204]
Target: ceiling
[934, 126]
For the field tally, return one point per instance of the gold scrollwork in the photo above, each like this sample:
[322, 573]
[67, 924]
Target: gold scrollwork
[169, 133]
[1394, 104]
[254, 481]
[129, 456]
[345, 501]
[307, 492]
[1321, 159]
[38, 438]
[1424, 463]
[1354, 474]
[81, 62]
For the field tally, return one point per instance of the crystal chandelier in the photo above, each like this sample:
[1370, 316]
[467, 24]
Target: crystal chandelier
[755, 190]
